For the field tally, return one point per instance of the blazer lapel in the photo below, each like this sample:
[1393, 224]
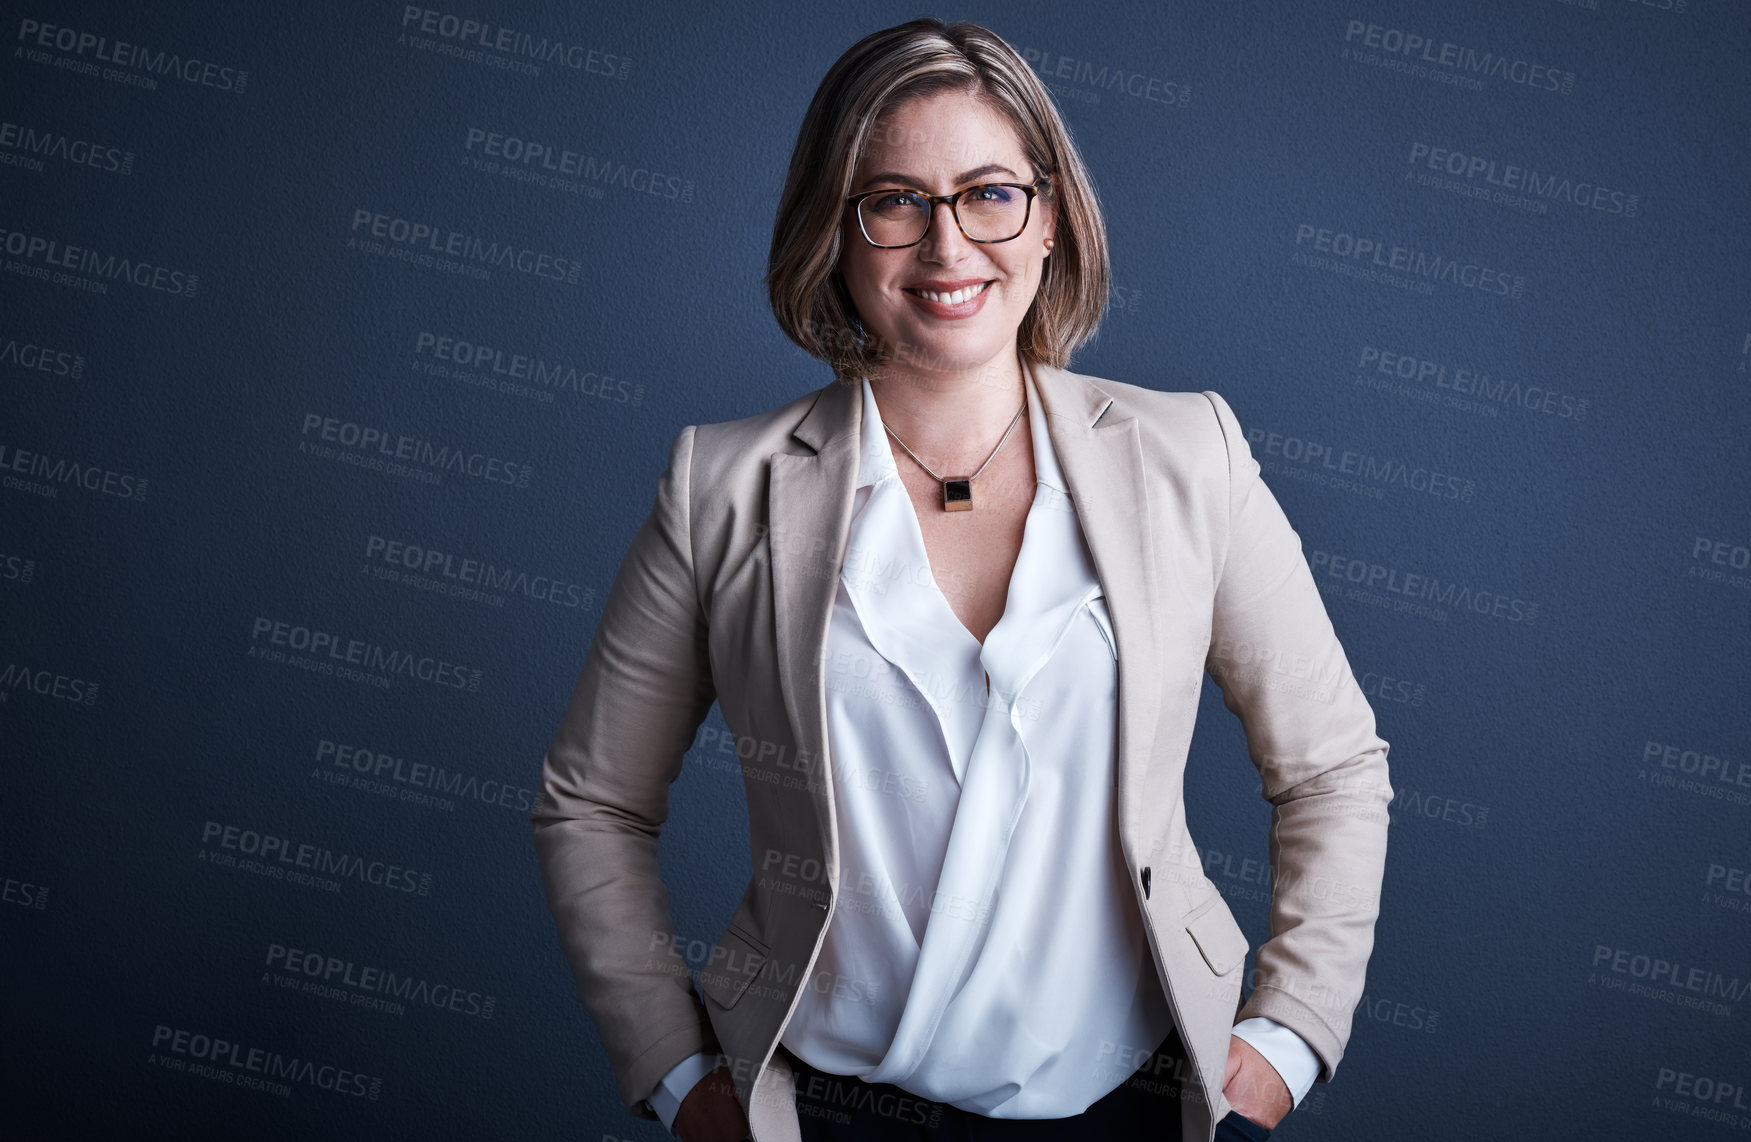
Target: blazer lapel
[1101, 455]
[808, 508]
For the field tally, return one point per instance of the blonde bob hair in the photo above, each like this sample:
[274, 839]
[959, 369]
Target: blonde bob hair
[918, 58]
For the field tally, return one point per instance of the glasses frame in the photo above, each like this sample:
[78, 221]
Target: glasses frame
[954, 208]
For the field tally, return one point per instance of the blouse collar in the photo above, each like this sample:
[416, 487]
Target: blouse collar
[908, 620]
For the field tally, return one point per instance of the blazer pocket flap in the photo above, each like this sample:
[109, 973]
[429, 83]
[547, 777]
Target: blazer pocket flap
[734, 964]
[1219, 939]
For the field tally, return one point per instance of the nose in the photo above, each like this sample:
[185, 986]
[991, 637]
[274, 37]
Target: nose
[944, 237]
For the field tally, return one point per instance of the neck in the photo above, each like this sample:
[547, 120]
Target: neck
[952, 420]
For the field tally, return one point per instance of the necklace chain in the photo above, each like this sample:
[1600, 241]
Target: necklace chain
[941, 479]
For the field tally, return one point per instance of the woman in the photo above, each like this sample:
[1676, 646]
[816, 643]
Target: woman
[962, 670]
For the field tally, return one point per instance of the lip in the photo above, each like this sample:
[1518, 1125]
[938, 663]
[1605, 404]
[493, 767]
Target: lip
[944, 285]
[940, 309]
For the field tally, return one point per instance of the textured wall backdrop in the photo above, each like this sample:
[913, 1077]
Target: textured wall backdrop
[340, 352]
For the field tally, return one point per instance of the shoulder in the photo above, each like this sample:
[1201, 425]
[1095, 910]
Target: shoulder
[722, 449]
[1190, 427]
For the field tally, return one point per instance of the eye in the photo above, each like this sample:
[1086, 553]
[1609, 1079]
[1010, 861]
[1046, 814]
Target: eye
[991, 194]
[895, 200]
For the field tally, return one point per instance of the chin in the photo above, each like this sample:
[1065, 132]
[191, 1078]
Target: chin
[938, 350]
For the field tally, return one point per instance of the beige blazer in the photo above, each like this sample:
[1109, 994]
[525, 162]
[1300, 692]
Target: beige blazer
[726, 593]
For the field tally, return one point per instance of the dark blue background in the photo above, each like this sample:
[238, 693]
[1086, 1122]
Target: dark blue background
[1529, 831]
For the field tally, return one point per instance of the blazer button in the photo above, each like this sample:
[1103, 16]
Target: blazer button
[1146, 882]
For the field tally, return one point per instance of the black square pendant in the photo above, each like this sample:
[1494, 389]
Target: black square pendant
[957, 495]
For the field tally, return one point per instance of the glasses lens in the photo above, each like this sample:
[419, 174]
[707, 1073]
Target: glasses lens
[986, 213]
[894, 217]
[993, 213]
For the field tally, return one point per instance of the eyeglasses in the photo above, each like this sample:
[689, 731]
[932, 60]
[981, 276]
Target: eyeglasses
[894, 218]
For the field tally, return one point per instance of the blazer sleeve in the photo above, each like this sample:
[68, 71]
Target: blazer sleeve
[644, 688]
[1311, 734]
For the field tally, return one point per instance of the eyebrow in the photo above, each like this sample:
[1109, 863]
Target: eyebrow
[913, 181]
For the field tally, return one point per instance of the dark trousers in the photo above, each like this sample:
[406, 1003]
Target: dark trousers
[840, 1108]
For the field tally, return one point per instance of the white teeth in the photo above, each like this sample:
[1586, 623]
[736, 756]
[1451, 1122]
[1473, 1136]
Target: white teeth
[954, 298]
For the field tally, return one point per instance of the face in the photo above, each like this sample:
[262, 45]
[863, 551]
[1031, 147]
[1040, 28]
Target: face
[940, 144]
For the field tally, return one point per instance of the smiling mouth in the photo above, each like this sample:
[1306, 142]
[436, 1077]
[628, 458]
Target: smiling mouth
[965, 293]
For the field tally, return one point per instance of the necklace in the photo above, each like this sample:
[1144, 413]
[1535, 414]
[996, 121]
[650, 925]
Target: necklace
[957, 491]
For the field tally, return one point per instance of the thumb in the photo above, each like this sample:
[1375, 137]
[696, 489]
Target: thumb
[1234, 1058]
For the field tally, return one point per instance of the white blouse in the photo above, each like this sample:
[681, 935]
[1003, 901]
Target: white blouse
[986, 949]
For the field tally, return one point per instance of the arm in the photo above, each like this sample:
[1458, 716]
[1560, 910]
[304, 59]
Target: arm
[644, 688]
[1287, 1052]
[672, 1091]
[1310, 732]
